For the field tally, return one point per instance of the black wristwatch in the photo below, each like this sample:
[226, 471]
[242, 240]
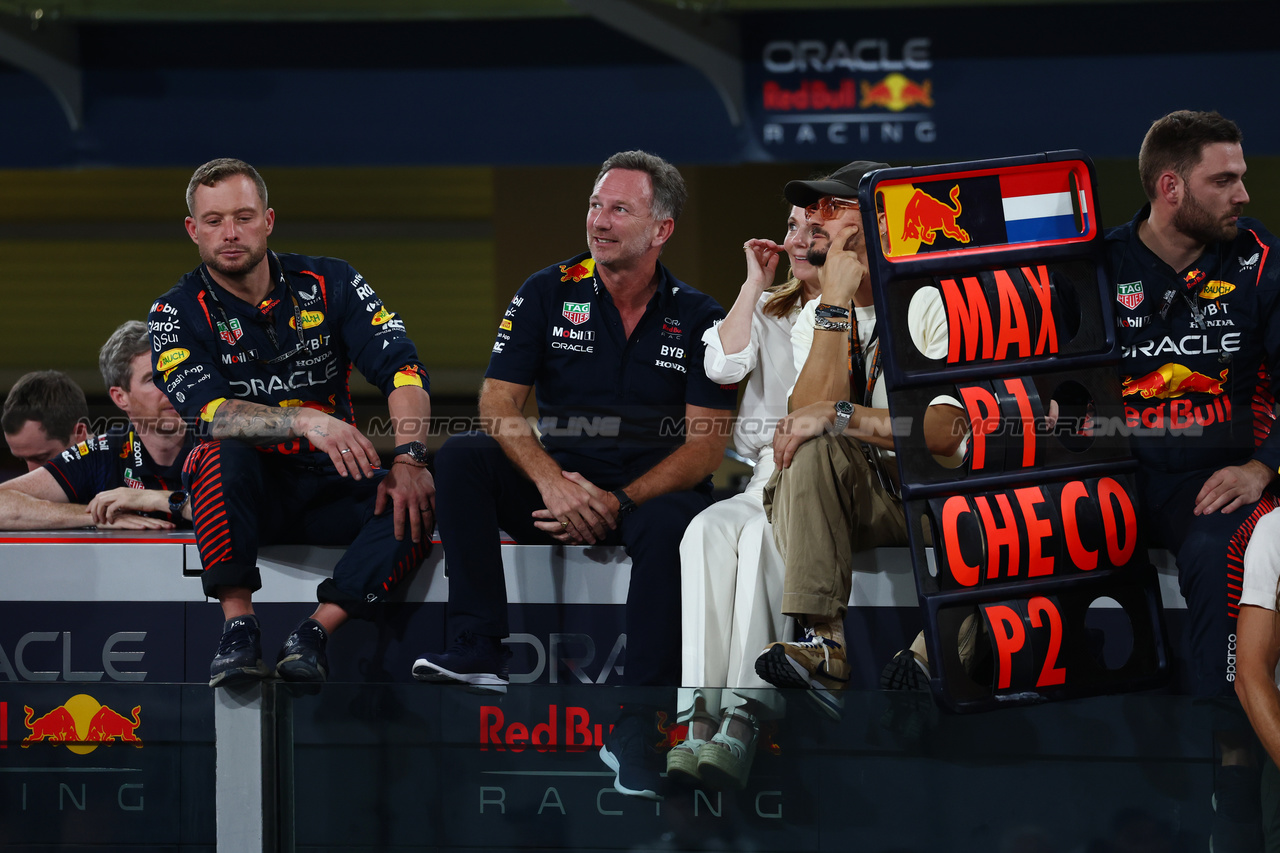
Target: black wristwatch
[415, 450]
[177, 500]
[625, 504]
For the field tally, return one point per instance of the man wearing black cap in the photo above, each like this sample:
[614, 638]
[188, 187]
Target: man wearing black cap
[834, 494]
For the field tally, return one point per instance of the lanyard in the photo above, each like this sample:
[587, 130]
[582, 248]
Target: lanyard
[271, 330]
[861, 384]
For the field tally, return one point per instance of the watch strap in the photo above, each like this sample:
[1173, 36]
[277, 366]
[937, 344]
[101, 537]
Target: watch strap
[625, 504]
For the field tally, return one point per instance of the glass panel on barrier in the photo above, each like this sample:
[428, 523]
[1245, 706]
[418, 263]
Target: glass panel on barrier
[106, 766]
[437, 767]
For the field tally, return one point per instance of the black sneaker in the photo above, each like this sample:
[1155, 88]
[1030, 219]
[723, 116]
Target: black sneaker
[904, 672]
[630, 751]
[910, 712]
[473, 659]
[302, 656]
[239, 657]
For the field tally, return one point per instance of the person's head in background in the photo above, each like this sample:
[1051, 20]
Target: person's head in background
[44, 414]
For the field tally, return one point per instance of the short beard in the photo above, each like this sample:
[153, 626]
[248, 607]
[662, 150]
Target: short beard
[1193, 221]
[247, 266]
[816, 259]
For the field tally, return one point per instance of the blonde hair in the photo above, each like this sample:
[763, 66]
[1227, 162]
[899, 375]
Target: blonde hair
[784, 298]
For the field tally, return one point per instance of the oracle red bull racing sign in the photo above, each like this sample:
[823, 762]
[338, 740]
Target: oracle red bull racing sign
[816, 92]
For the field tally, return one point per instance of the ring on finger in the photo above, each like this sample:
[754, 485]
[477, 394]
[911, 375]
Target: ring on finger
[345, 450]
[564, 525]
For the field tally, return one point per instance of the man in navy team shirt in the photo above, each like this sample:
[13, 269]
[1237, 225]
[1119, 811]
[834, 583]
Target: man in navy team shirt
[631, 431]
[112, 479]
[255, 349]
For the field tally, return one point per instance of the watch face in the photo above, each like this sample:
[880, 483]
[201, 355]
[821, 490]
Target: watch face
[844, 407]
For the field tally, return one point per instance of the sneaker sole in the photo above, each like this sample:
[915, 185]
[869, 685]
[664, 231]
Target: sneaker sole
[776, 667]
[781, 670]
[241, 675]
[293, 669]
[612, 763]
[904, 673]
[831, 704]
[482, 682]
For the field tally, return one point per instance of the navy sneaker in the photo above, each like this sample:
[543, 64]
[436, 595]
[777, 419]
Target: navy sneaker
[473, 659]
[630, 751]
[302, 656]
[239, 657]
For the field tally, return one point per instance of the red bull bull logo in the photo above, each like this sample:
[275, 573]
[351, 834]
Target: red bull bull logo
[897, 93]
[81, 724]
[1172, 380]
[579, 271]
[925, 216]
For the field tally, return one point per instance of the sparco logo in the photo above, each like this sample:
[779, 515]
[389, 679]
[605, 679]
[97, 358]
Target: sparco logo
[1231, 658]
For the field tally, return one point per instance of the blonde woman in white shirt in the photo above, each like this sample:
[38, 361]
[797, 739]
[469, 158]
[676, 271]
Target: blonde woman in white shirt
[731, 570]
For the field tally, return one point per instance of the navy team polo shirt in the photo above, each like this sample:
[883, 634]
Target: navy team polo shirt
[609, 407]
[111, 460]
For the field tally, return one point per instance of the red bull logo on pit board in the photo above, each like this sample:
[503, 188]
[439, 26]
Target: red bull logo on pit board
[82, 724]
[925, 216]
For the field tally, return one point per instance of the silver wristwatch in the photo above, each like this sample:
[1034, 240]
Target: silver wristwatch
[844, 411]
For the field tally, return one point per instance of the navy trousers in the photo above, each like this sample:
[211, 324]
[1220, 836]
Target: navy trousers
[1210, 554]
[242, 498]
[479, 492]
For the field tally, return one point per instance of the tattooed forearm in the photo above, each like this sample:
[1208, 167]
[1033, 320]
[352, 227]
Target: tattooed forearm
[253, 423]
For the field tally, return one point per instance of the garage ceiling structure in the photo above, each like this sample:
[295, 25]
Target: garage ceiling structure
[41, 38]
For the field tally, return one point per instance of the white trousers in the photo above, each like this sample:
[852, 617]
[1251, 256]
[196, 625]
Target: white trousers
[731, 586]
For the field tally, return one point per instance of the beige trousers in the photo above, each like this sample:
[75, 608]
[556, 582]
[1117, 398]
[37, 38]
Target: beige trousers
[825, 508]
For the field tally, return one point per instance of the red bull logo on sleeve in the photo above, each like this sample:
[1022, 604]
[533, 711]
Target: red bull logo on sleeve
[82, 724]
[579, 271]
[1172, 380]
[924, 216]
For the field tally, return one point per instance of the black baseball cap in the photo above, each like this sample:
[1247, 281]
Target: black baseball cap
[843, 183]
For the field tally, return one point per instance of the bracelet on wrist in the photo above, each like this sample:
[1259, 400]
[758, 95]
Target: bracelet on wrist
[832, 325]
[831, 312]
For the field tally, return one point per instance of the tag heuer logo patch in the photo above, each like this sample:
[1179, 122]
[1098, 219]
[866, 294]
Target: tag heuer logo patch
[232, 334]
[577, 313]
[1130, 294]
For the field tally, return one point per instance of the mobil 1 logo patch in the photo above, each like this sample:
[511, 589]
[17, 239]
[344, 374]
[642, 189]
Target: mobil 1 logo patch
[574, 340]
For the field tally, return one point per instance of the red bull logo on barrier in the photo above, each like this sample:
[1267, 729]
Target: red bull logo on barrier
[1172, 380]
[82, 724]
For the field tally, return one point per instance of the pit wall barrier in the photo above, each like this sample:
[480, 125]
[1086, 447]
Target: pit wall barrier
[109, 636]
